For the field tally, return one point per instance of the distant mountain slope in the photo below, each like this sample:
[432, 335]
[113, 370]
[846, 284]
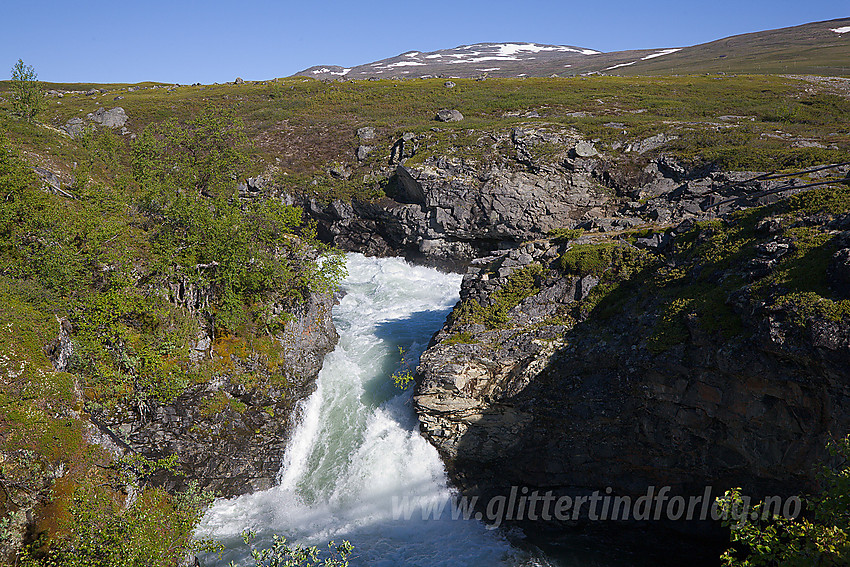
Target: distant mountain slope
[496, 59]
[820, 48]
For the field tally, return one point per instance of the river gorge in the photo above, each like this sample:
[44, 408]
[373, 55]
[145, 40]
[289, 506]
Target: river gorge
[356, 453]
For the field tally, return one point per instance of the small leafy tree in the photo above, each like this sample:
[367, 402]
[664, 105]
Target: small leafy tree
[204, 155]
[254, 257]
[27, 93]
[821, 538]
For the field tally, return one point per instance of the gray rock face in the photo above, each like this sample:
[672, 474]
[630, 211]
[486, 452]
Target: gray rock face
[239, 448]
[447, 115]
[575, 407]
[452, 213]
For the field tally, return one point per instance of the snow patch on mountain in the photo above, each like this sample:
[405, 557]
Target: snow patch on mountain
[620, 65]
[843, 29]
[404, 64]
[660, 53]
[509, 49]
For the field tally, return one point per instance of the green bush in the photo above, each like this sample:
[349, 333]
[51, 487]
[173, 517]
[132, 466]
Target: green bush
[819, 538]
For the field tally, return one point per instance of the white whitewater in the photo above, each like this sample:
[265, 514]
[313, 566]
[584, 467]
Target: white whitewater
[357, 444]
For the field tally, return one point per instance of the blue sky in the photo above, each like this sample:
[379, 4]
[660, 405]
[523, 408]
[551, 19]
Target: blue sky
[218, 40]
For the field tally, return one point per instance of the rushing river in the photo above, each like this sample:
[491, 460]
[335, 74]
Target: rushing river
[356, 454]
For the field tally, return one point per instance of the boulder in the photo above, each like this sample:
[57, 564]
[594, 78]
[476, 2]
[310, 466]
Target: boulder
[404, 148]
[447, 115]
[585, 149]
[74, 127]
[651, 143]
[113, 118]
[449, 84]
[366, 133]
[339, 171]
[363, 152]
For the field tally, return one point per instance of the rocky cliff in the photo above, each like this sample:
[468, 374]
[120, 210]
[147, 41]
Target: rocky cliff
[449, 209]
[449, 198]
[494, 190]
[709, 354]
[627, 319]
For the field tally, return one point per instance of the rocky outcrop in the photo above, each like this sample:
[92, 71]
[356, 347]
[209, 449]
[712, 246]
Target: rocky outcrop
[494, 190]
[587, 387]
[112, 118]
[229, 432]
[459, 220]
[448, 211]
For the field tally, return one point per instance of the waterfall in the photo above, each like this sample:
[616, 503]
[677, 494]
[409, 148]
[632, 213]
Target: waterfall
[356, 457]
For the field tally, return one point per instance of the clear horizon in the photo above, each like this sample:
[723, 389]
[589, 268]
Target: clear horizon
[217, 41]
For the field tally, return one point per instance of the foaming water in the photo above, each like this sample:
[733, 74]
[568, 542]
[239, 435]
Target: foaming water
[356, 448]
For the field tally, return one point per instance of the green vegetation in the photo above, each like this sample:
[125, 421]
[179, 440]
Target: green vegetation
[27, 93]
[156, 530]
[301, 125]
[821, 537]
[561, 235]
[403, 377]
[592, 259]
[148, 246]
[522, 283]
[282, 554]
[461, 338]
[617, 265]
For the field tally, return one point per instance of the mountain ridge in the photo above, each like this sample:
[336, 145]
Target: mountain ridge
[818, 48]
